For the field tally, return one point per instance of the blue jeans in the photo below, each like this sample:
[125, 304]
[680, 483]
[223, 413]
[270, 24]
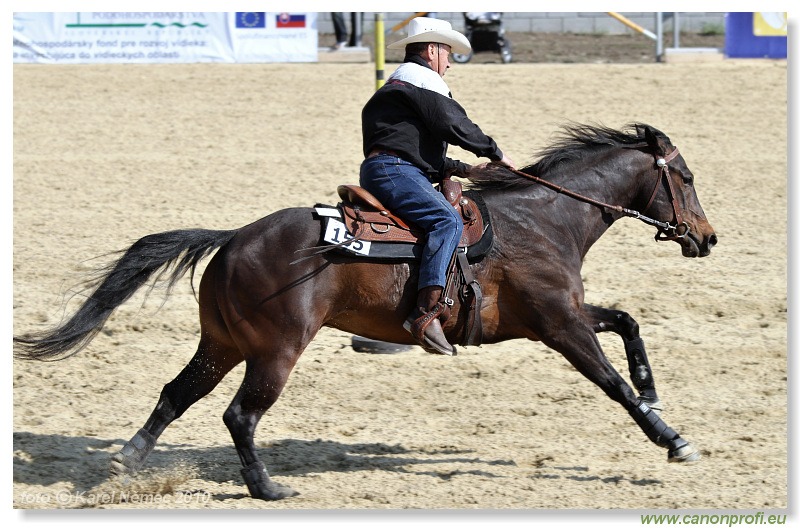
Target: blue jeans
[406, 191]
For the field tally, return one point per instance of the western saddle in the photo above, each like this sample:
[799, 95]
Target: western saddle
[367, 219]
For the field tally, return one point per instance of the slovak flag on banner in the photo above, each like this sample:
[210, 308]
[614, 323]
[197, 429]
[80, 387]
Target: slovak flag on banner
[287, 20]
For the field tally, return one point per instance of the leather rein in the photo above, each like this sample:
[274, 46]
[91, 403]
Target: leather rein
[678, 230]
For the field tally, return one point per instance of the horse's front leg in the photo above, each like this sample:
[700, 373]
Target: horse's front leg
[621, 323]
[577, 342]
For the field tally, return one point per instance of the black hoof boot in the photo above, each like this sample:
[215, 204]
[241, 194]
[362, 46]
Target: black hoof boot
[132, 456]
[261, 486]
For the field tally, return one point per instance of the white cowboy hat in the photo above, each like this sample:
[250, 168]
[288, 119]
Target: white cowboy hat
[423, 29]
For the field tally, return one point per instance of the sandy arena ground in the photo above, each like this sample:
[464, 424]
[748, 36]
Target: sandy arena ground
[106, 154]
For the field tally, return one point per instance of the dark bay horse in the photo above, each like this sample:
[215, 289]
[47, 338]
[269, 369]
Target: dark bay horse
[260, 306]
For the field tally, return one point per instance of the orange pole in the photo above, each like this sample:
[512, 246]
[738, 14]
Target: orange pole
[632, 24]
[406, 21]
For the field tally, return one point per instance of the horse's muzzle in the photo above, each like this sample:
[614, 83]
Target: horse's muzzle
[692, 247]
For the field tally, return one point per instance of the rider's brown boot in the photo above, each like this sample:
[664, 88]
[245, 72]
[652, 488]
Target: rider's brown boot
[424, 325]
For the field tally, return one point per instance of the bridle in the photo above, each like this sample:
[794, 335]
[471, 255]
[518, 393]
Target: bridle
[681, 228]
[666, 231]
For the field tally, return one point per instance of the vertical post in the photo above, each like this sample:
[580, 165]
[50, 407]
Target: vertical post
[357, 29]
[659, 37]
[380, 50]
[676, 31]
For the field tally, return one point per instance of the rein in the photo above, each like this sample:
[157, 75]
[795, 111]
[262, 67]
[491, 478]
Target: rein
[662, 226]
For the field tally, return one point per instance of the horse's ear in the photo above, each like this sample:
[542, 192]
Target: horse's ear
[655, 143]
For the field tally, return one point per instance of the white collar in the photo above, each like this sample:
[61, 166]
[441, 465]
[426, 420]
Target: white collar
[422, 77]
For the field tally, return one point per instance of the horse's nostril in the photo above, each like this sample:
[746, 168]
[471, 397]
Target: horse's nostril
[712, 240]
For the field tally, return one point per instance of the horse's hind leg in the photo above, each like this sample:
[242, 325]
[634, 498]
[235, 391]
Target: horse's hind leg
[621, 323]
[210, 364]
[263, 382]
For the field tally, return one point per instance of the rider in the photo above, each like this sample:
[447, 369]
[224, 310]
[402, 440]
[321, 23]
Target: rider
[407, 126]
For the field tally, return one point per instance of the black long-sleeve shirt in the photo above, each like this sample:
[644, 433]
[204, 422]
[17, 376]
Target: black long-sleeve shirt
[418, 124]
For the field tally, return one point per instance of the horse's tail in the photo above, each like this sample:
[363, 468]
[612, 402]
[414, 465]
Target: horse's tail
[170, 254]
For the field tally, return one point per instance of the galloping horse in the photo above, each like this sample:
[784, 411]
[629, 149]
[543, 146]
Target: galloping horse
[261, 306]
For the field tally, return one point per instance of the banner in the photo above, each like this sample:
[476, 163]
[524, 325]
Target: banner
[165, 37]
[770, 24]
[756, 35]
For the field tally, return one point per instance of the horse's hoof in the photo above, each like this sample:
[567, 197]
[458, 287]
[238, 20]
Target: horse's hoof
[132, 456]
[276, 491]
[653, 403]
[684, 454]
[261, 486]
[117, 467]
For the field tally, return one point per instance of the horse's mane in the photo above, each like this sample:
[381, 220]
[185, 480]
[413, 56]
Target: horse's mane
[572, 144]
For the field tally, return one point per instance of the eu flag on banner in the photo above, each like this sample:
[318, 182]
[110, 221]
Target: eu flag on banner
[251, 20]
[286, 20]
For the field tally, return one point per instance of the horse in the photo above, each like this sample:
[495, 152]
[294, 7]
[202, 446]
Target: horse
[260, 305]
